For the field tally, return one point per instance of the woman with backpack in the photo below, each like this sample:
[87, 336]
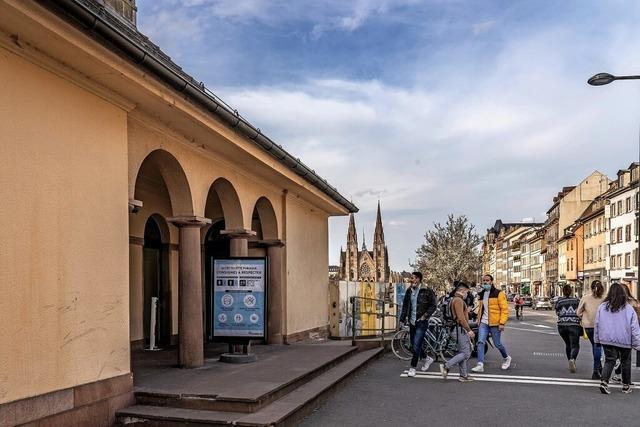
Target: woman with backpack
[617, 329]
[587, 311]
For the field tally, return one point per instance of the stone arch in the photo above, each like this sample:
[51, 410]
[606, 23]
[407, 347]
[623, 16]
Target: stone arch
[267, 223]
[223, 203]
[162, 164]
[161, 222]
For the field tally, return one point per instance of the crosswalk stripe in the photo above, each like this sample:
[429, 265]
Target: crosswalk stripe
[533, 330]
[536, 325]
[518, 379]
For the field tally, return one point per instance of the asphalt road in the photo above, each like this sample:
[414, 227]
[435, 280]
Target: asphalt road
[538, 389]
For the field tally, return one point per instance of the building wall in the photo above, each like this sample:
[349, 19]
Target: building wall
[64, 263]
[574, 203]
[595, 250]
[562, 260]
[307, 267]
[626, 246]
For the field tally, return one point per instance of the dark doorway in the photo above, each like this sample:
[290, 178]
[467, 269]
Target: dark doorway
[216, 245]
[156, 283]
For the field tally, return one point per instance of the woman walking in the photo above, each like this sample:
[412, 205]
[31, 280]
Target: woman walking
[617, 371]
[616, 328]
[587, 312]
[569, 325]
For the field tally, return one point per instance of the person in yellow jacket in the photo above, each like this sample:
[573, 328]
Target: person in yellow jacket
[493, 313]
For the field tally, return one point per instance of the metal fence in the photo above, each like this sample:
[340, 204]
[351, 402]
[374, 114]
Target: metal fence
[380, 313]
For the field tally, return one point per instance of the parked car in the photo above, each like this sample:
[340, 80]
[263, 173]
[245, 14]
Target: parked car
[510, 297]
[553, 301]
[528, 301]
[542, 303]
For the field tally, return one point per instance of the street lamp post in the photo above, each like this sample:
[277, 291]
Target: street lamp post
[602, 79]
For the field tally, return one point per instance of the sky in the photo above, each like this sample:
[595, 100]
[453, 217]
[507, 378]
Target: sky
[434, 107]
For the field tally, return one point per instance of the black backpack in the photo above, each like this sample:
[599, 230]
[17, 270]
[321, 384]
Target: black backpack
[445, 308]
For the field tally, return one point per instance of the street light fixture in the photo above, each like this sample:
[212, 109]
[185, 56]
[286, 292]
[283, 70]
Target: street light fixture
[602, 79]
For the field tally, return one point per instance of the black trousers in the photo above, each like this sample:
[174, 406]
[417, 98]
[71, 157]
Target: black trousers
[571, 335]
[611, 353]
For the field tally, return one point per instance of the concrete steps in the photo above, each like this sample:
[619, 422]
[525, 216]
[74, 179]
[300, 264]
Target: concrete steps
[285, 409]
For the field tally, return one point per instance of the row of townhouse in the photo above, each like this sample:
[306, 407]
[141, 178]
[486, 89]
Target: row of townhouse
[590, 233]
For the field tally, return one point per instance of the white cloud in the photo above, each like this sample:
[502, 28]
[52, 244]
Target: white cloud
[487, 134]
[482, 27]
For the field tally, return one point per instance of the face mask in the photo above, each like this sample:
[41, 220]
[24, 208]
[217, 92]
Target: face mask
[486, 286]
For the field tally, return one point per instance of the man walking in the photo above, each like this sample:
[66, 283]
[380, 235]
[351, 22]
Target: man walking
[464, 334]
[493, 313]
[418, 305]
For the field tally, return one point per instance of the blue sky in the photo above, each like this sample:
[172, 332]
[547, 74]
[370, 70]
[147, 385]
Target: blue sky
[467, 107]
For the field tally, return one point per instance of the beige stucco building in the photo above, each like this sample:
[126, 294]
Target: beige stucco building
[568, 206]
[121, 179]
[595, 249]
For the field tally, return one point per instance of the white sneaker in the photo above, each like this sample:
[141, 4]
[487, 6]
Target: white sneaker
[412, 372]
[427, 362]
[479, 367]
[506, 363]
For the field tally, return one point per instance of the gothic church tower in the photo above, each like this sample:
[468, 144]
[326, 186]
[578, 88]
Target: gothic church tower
[363, 264]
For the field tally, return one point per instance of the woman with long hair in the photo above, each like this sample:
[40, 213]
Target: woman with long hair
[617, 371]
[569, 325]
[587, 312]
[617, 329]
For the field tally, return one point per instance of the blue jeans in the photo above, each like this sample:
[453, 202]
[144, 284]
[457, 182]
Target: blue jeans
[596, 349]
[484, 331]
[418, 337]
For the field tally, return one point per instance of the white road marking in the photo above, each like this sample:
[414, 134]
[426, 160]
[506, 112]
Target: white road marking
[533, 330]
[518, 379]
[536, 325]
[543, 354]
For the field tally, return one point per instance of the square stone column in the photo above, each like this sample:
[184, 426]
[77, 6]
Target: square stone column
[190, 325]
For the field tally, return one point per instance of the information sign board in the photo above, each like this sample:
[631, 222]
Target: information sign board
[239, 297]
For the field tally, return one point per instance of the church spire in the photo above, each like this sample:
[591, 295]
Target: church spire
[352, 238]
[364, 241]
[379, 234]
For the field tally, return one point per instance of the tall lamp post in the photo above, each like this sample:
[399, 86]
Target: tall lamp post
[602, 79]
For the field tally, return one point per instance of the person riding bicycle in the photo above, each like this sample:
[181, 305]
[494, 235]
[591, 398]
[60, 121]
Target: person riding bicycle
[519, 304]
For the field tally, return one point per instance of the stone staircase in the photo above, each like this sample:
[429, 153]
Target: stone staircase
[282, 404]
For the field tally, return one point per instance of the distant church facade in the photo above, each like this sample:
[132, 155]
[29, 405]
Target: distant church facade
[365, 265]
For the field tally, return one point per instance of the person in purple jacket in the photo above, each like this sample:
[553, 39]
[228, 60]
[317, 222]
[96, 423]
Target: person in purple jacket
[616, 328]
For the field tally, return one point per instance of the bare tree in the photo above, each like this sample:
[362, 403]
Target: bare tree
[450, 252]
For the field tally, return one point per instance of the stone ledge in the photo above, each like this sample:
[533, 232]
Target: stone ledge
[98, 401]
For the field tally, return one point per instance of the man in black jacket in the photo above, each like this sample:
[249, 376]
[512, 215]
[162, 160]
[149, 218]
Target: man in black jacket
[418, 305]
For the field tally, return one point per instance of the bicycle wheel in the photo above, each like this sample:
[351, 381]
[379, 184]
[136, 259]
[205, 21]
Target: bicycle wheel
[401, 345]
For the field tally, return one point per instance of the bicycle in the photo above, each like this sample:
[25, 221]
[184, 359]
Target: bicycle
[519, 312]
[438, 342]
[401, 344]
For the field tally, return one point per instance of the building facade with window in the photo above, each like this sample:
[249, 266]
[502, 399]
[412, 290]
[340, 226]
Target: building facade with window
[568, 206]
[595, 243]
[621, 213]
